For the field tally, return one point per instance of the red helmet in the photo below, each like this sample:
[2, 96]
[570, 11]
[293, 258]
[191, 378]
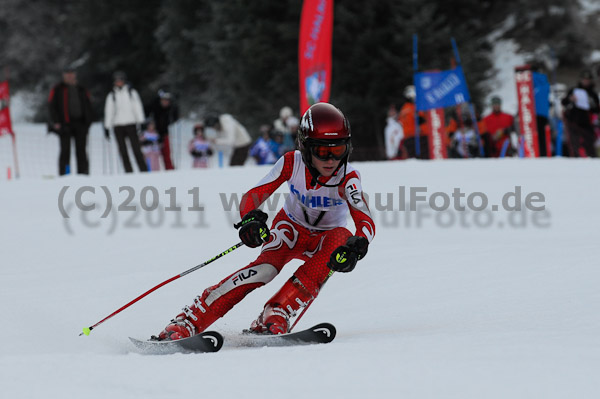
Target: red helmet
[323, 121]
[324, 132]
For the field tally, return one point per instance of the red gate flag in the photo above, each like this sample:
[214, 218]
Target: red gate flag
[314, 52]
[5, 124]
[527, 121]
[437, 143]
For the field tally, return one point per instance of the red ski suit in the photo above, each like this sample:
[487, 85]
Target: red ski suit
[309, 227]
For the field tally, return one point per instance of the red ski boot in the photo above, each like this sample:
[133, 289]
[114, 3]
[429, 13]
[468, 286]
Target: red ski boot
[275, 317]
[192, 321]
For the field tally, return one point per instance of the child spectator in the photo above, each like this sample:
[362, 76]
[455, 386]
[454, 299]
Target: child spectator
[262, 151]
[151, 147]
[464, 141]
[200, 148]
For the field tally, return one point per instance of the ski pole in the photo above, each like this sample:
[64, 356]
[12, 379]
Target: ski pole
[87, 330]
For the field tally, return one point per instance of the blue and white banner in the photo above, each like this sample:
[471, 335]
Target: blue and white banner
[441, 89]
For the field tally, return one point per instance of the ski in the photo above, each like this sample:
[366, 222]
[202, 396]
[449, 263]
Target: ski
[208, 341]
[322, 333]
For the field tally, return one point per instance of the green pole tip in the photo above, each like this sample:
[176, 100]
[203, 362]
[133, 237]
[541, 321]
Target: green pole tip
[87, 331]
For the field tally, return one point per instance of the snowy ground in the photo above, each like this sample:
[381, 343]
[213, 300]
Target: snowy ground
[488, 304]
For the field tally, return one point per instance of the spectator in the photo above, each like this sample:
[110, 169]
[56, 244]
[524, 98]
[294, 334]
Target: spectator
[500, 126]
[123, 112]
[580, 104]
[70, 112]
[275, 140]
[200, 148]
[456, 117]
[287, 124]
[230, 135]
[561, 145]
[277, 144]
[262, 150]
[464, 141]
[393, 134]
[484, 135]
[407, 119]
[150, 143]
[164, 112]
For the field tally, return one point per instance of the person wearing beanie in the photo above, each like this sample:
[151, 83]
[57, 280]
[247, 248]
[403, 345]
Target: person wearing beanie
[580, 106]
[124, 113]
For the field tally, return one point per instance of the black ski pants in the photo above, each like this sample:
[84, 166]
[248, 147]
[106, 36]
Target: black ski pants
[78, 132]
[129, 132]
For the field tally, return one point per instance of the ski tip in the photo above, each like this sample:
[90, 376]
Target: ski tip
[213, 339]
[327, 331]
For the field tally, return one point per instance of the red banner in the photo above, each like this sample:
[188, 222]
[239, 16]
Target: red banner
[5, 124]
[437, 143]
[314, 52]
[527, 121]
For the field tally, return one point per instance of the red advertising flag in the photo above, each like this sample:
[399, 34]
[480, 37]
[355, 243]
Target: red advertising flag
[314, 52]
[527, 121]
[5, 124]
[437, 143]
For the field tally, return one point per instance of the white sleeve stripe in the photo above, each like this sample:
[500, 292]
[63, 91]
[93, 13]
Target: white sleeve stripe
[274, 174]
[368, 232]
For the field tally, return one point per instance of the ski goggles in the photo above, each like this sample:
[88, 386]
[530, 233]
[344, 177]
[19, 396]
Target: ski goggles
[326, 152]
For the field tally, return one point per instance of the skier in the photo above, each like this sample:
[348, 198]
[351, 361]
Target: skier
[324, 187]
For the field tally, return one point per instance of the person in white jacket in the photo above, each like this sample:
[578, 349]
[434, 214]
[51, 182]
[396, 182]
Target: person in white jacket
[123, 112]
[394, 133]
[229, 135]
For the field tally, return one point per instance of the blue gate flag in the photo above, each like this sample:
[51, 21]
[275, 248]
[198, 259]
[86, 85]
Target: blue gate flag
[441, 89]
[541, 90]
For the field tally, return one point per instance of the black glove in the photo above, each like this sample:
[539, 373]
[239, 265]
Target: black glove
[253, 229]
[343, 258]
[107, 133]
[52, 129]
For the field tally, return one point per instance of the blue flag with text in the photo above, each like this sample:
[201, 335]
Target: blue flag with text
[441, 89]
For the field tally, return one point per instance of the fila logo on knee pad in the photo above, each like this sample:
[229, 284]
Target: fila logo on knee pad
[258, 274]
[243, 276]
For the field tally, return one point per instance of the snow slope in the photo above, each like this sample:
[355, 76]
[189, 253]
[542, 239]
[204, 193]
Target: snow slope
[445, 305]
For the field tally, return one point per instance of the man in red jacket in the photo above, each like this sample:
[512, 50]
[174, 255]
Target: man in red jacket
[499, 125]
[70, 111]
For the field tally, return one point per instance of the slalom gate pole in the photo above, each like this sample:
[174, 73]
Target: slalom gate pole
[110, 157]
[308, 306]
[104, 156]
[15, 158]
[415, 70]
[87, 330]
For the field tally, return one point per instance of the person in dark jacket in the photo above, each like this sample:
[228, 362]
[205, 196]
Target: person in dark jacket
[579, 104]
[164, 112]
[70, 112]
